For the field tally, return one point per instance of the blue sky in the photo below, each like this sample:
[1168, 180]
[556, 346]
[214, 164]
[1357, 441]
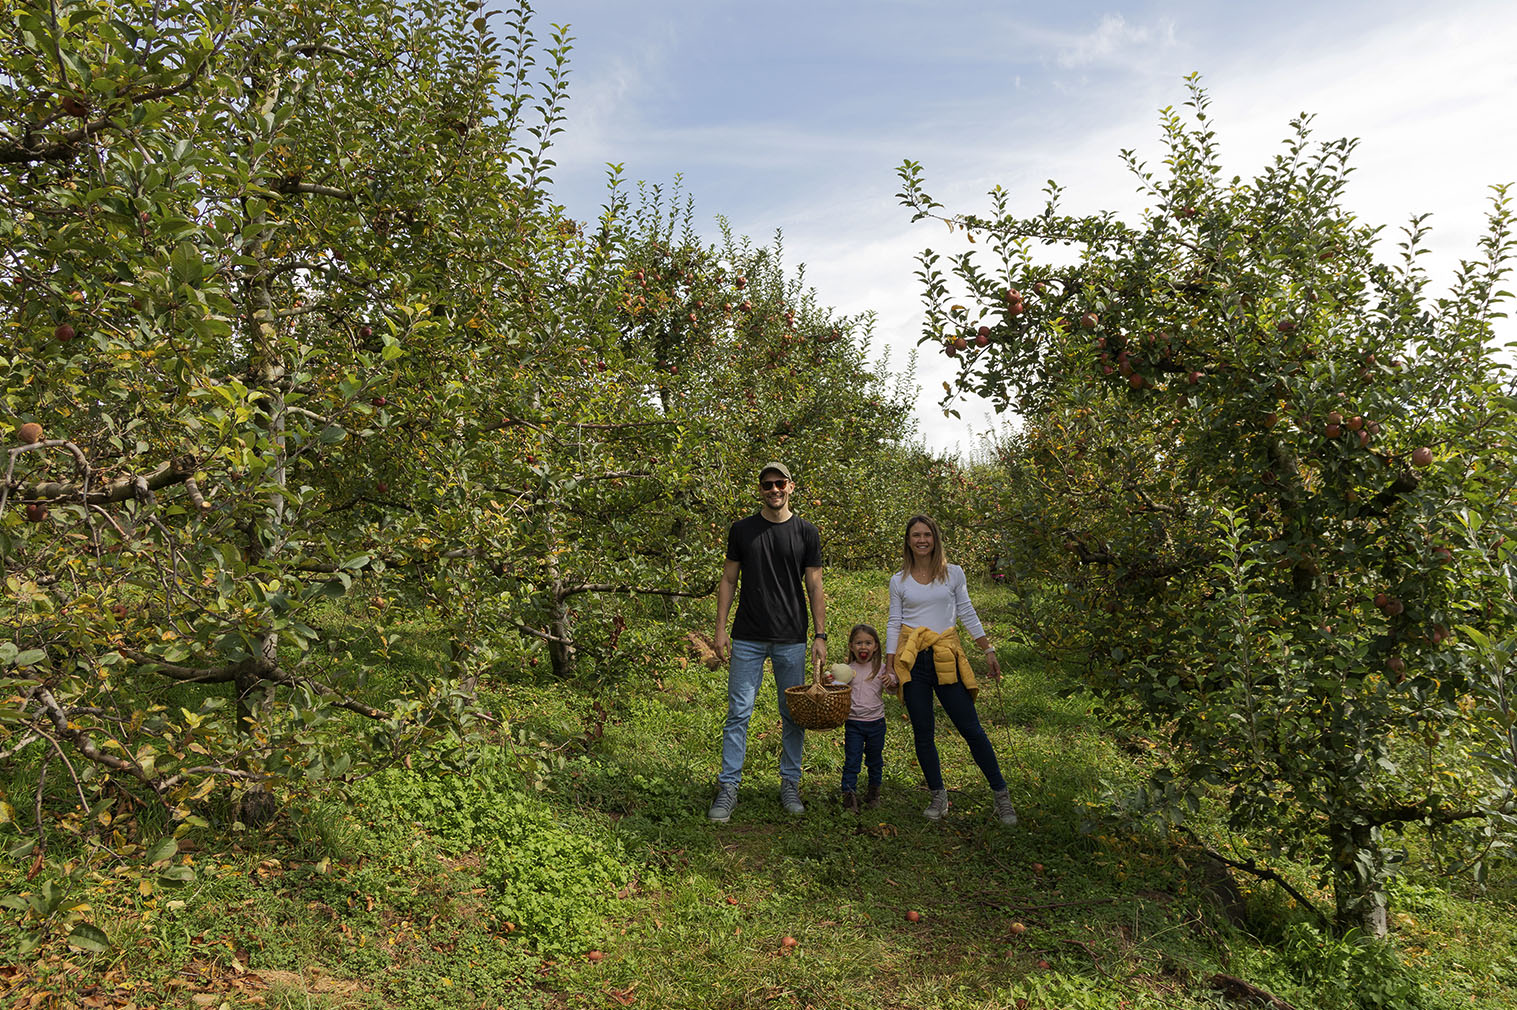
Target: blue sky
[794, 116]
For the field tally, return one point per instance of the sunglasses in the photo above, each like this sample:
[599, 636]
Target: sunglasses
[770, 485]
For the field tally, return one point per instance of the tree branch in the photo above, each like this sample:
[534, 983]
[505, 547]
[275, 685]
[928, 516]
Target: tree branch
[85, 746]
[319, 49]
[1427, 810]
[606, 587]
[189, 674]
[66, 145]
[173, 472]
[291, 186]
[1263, 873]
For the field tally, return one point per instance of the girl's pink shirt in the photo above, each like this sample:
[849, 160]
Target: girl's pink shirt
[869, 695]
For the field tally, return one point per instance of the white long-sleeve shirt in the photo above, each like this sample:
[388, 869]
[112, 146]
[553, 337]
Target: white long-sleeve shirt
[937, 605]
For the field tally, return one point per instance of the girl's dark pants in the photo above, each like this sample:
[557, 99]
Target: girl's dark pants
[917, 694]
[864, 740]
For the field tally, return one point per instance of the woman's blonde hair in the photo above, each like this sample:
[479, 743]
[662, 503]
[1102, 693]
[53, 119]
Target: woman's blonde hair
[937, 562]
[874, 670]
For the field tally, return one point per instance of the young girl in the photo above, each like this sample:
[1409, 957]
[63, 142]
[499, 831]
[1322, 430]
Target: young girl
[864, 732]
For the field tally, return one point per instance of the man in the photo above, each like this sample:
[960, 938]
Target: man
[775, 553]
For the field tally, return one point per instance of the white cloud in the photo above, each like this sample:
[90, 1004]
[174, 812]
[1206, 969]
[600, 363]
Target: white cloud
[1114, 42]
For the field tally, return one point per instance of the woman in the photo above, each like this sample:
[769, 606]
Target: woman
[928, 597]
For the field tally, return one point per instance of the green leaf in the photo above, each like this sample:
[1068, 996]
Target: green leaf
[162, 852]
[87, 937]
[176, 876]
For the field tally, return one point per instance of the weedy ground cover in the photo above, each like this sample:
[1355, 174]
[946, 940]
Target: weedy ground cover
[568, 863]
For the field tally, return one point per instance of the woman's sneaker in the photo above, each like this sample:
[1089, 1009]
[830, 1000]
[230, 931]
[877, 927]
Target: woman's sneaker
[721, 807]
[1004, 810]
[938, 807]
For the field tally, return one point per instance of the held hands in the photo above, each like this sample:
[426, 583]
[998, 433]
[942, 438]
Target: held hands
[819, 657]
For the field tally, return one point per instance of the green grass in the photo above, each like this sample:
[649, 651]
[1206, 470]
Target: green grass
[421, 889]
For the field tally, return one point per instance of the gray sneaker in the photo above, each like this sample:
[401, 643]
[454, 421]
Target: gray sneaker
[790, 797]
[938, 807]
[1004, 810]
[721, 807]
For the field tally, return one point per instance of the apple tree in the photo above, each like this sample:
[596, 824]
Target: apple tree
[254, 260]
[1264, 555]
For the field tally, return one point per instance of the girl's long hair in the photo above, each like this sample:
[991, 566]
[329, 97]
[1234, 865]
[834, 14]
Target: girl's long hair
[937, 562]
[875, 659]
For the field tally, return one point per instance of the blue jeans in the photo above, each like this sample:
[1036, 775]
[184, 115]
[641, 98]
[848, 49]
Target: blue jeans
[744, 675]
[917, 694]
[863, 742]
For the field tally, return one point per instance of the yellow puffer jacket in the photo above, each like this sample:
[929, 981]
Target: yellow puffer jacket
[947, 656]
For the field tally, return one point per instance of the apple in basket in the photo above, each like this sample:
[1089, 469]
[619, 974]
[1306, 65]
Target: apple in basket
[841, 673]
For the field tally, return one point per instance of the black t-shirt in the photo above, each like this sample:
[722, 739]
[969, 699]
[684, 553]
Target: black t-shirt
[771, 604]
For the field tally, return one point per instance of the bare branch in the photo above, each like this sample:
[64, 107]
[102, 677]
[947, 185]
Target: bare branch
[189, 674]
[308, 414]
[294, 186]
[173, 472]
[319, 49]
[1263, 873]
[235, 773]
[536, 633]
[1427, 810]
[84, 745]
[605, 587]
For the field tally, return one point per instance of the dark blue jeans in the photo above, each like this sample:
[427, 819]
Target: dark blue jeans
[917, 694]
[866, 741]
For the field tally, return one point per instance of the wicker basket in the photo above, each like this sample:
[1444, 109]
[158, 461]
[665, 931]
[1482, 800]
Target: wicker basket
[818, 705]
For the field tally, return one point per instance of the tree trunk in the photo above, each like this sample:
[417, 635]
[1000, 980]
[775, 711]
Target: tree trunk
[268, 373]
[1360, 872]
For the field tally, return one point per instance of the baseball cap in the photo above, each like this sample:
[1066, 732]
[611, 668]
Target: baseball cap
[777, 467]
